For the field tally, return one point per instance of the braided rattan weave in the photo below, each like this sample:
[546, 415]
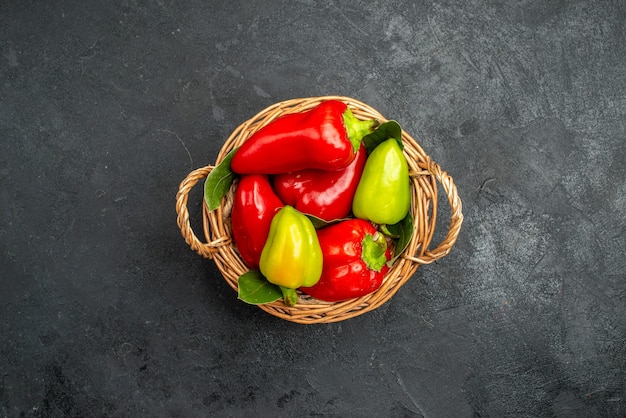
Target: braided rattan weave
[424, 173]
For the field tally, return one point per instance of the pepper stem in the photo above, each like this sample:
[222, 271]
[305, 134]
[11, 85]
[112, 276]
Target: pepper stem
[357, 128]
[374, 249]
[385, 230]
[290, 296]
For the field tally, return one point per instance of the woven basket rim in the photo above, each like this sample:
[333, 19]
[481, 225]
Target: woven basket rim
[425, 176]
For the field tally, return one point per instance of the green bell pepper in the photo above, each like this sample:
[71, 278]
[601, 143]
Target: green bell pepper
[383, 195]
[292, 256]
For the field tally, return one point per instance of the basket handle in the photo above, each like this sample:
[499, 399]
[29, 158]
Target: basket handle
[206, 250]
[456, 217]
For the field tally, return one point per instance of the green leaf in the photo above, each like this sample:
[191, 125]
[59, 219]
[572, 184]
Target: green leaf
[256, 290]
[321, 223]
[218, 182]
[390, 129]
[402, 231]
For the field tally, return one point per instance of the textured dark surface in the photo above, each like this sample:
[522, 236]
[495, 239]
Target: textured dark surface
[106, 106]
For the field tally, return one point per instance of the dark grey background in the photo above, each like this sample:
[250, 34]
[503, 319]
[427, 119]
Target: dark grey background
[106, 106]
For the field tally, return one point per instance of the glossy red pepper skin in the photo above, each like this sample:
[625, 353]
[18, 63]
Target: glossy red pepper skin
[326, 137]
[325, 194]
[346, 273]
[254, 207]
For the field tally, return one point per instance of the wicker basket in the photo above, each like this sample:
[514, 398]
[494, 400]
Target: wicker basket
[424, 174]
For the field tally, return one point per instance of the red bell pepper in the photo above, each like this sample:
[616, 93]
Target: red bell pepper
[355, 261]
[254, 206]
[326, 137]
[325, 194]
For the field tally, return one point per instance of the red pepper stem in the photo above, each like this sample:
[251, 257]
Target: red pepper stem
[373, 253]
[290, 296]
[357, 128]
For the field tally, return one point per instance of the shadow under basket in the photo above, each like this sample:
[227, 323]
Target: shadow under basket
[424, 173]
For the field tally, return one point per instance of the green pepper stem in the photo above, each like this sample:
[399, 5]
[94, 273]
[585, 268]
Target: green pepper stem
[357, 128]
[290, 296]
[385, 230]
